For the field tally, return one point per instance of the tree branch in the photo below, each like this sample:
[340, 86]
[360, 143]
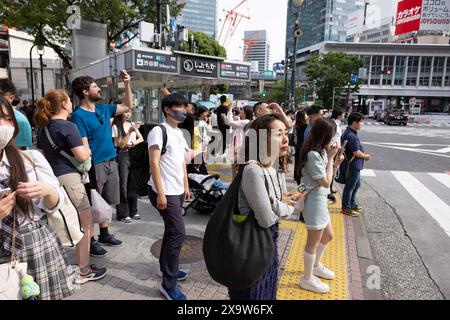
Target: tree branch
[128, 40]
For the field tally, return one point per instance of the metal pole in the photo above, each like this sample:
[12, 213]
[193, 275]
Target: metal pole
[286, 98]
[158, 21]
[349, 84]
[296, 34]
[332, 105]
[42, 75]
[31, 76]
[293, 71]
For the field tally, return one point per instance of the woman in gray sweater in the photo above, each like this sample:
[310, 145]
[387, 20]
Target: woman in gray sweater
[263, 191]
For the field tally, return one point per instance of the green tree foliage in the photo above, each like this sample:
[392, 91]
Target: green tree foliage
[220, 89]
[332, 70]
[205, 45]
[276, 92]
[46, 19]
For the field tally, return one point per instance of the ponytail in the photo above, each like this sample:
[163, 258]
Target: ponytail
[48, 106]
[43, 114]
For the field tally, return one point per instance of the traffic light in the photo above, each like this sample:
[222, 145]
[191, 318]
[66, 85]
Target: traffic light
[386, 72]
[264, 92]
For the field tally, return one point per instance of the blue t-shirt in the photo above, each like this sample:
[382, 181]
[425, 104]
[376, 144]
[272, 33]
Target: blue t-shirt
[307, 132]
[66, 136]
[353, 145]
[96, 128]
[23, 138]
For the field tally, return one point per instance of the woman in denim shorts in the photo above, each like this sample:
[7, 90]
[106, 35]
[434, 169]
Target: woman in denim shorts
[317, 161]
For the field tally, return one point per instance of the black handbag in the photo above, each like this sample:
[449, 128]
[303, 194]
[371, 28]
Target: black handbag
[237, 251]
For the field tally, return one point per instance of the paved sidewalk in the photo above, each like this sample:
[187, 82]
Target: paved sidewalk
[132, 266]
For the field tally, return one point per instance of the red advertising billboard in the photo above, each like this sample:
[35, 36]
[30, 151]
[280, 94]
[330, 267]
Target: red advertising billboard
[409, 13]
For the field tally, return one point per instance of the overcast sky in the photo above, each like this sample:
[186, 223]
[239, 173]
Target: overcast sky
[264, 14]
[271, 16]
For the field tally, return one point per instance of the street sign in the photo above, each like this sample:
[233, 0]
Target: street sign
[155, 62]
[354, 78]
[198, 67]
[234, 71]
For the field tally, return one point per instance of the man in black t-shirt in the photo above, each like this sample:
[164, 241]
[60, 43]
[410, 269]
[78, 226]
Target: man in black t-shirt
[221, 116]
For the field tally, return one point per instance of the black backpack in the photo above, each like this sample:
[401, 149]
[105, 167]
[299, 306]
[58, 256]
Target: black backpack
[237, 251]
[139, 162]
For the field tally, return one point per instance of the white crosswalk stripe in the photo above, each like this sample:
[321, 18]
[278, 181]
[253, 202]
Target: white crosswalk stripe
[415, 125]
[437, 208]
[432, 195]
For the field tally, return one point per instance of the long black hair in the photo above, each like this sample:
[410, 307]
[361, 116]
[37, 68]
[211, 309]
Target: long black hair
[16, 161]
[322, 132]
[118, 121]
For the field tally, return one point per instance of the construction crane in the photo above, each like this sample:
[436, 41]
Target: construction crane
[232, 21]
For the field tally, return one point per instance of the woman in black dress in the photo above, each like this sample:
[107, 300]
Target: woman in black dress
[301, 122]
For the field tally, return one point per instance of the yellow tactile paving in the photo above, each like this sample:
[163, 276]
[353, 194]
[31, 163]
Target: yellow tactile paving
[334, 258]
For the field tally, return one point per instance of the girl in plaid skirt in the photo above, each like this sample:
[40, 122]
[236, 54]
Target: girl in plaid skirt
[35, 192]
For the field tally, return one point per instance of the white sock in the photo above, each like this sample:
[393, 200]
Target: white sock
[319, 253]
[309, 263]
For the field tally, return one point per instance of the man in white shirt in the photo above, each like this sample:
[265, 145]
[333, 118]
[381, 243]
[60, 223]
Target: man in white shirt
[338, 116]
[168, 188]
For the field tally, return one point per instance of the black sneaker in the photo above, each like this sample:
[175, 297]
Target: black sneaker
[331, 197]
[93, 274]
[109, 240]
[97, 250]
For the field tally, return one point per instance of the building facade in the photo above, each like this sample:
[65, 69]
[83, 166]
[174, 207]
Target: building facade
[200, 15]
[419, 72]
[320, 20]
[15, 64]
[257, 48]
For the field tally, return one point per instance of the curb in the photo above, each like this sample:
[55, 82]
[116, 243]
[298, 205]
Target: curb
[359, 258]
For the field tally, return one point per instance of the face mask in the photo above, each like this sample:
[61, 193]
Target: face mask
[179, 115]
[6, 134]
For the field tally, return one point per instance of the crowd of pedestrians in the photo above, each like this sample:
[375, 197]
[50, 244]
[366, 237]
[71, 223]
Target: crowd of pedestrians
[104, 134]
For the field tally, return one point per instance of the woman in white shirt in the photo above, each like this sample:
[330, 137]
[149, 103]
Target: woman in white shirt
[126, 136]
[34, 192]
[237, 142]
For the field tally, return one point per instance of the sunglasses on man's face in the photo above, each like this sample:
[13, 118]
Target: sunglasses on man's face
[99, 118]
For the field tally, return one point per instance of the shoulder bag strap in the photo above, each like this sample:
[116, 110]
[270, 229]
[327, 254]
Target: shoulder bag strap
[74, 161]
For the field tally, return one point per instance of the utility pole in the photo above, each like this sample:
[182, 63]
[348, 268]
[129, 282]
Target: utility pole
[286, 64]
[297, 34]
[350, 67]
[158, 22]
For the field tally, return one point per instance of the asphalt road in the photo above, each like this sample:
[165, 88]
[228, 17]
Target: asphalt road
[406, 193]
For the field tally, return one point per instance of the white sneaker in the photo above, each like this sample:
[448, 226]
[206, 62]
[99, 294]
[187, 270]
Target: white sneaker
[314, 284]
[323, 272]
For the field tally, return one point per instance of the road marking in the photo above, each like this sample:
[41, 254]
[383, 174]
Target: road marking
[443, 150]
[368, 173]
[437, 208]
[442, 178]
[429, 152]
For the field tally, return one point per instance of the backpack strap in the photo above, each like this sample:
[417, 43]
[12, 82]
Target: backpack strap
[164, 134]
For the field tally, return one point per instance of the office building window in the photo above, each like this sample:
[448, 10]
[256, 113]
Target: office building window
[366, 60]
[388, 65]
[438, 71]
[425, 70]
[400, 69]
[413, 69]
[375, 72]
[447, 74]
